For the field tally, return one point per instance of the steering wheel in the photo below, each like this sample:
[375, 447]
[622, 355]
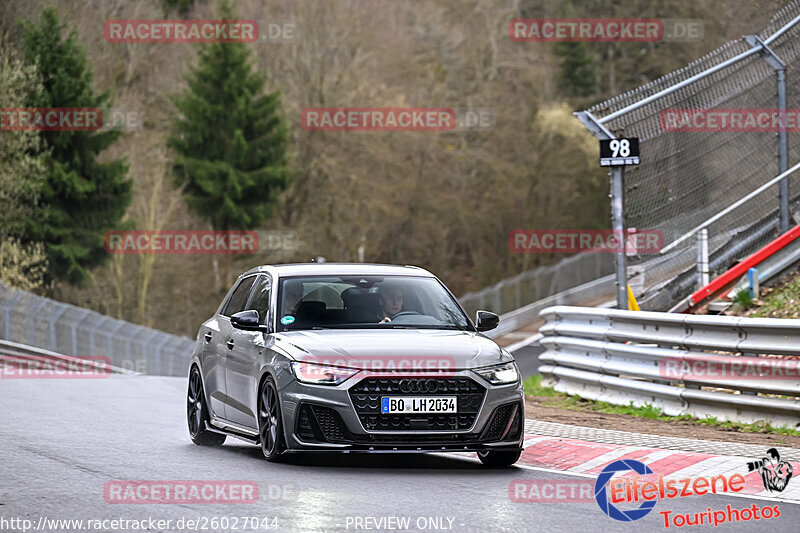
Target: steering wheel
[404, 313]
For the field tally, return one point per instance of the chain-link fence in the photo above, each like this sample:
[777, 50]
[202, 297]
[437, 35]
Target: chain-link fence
[539, 283]
[686, 177]
[63, 328]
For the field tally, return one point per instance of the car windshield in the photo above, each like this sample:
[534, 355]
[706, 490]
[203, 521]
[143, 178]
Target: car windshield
[379, 302]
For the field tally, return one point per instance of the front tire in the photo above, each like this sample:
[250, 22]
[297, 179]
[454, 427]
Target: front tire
[499, 459]
[270, 426]
[197, 413]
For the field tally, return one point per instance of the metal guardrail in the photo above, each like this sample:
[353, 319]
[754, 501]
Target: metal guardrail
[62, 328]
[684, 364]
[45, 361]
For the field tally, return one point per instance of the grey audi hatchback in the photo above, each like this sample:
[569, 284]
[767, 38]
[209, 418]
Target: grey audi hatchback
[353, 358]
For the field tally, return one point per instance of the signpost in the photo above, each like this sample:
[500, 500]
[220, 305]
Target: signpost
[616, 153]
[619, 152]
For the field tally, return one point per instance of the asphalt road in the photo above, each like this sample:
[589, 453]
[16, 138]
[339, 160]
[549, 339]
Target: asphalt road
[527, 358]
[62, 441]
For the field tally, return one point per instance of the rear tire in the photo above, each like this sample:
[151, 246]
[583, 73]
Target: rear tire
[197, 413]
[495, 459]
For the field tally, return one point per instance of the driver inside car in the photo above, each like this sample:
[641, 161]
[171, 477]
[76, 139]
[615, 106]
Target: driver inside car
[390, 301]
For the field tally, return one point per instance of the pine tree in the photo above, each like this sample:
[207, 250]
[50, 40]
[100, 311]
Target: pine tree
[577, 76]
[182, 6]
[84, 198]
[230, 140]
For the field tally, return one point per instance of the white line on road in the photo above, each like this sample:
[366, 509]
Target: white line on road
[525, 342]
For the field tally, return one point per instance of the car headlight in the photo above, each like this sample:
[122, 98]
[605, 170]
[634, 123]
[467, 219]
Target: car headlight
[499, 374]
[321, 374]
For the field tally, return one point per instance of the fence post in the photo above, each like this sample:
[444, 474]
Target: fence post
[783, 152]
[8, 306]
[32, 320]
[53, 319]
[111, 353]
[83, 314]
[617, 208]
[702, 258]
[783, 143]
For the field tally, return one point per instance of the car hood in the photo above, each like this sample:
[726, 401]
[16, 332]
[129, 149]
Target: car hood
[393, 349]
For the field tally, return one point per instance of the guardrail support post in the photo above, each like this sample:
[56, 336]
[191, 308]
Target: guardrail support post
[702, 258]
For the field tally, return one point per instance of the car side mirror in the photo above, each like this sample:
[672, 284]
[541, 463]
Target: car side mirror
[486, 320]
[246, 320]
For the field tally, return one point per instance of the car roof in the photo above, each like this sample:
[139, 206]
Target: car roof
[339, 269]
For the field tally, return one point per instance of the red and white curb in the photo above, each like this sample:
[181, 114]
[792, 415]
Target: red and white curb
[585, 458]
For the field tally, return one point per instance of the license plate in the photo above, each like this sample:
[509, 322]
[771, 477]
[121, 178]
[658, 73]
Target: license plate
[418, 404]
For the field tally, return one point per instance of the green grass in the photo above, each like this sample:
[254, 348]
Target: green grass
[743, 299]
[533, 387]
[782, 302]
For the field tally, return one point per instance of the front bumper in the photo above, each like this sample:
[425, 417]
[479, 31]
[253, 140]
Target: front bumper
[346, 418]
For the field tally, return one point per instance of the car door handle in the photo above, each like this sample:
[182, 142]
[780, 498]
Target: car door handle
[208, 336]
[230, 344]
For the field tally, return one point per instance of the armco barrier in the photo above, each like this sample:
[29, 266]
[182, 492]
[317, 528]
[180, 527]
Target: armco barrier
[630, 356]
[15, 352]
[62, 328]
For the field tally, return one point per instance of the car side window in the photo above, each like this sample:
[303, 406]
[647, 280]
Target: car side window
[260, 299]
[239, 297]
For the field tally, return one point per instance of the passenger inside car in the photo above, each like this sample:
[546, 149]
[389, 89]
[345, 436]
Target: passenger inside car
[292, 297]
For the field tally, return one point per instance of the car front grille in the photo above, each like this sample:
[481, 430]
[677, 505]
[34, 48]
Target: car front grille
[366, 396]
